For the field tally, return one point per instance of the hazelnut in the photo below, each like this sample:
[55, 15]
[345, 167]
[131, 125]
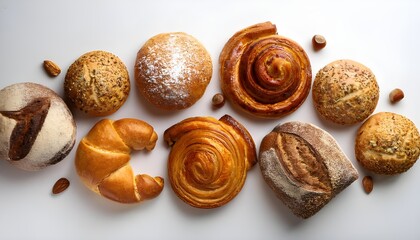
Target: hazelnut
[396, 95]
[218, 100]
[318, 42]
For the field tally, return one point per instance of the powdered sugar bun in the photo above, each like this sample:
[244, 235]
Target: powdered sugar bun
[172, 70]
[36, 127]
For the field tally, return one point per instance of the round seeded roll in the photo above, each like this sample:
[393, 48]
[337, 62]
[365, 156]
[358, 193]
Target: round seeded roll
[36, 127]
[172, 70]
[97, 83]
[345, 92]
[387, 143]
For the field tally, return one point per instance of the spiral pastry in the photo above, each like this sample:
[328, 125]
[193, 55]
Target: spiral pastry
[209, 159]
[265, 74]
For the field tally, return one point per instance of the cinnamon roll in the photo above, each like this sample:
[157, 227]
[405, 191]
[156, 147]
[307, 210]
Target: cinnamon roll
[265, 74]
[209, 159]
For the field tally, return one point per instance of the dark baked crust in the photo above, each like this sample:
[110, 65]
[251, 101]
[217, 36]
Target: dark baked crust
[304, 166]
[29, 122]
[38, 129]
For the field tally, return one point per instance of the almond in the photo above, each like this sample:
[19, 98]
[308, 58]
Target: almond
[367, 183]
[51, 68]
[61, 185]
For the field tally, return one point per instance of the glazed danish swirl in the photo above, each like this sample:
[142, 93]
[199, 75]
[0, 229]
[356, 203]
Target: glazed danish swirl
[263, 73]
[209, 160]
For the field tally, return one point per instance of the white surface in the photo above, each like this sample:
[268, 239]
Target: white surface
[383, 35]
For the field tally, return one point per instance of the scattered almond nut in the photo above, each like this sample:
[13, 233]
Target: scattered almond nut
[367, 183]
[396, 95]
[51, 68]
[318, 42]
[61, 185]
[218, 100]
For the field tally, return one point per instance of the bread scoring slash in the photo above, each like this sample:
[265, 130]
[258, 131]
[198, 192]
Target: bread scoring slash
[36, 127]
[304, 166]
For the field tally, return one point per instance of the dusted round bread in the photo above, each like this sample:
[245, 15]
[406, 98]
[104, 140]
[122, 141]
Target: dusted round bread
[97, 83]
[345, 92]
[36, 127]
[387, 143]
[172, 70]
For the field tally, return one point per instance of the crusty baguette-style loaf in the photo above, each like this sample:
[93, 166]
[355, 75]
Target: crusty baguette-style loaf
[36, 127]
[304, 166]
[102, 160]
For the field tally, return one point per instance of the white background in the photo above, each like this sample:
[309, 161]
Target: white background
[383, 35]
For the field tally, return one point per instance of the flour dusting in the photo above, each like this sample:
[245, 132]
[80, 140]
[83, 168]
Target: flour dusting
[169, 65]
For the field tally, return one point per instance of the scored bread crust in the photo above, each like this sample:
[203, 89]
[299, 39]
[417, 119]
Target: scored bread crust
[345, 92]
[40, 143]
[97, 83]
[387, 143]
[304, 166]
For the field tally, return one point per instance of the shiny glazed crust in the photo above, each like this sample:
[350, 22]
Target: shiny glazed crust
[304, 166]
[102, 160]
[172, 70]
[345, 92]
[209, 160]
[97, 83]
[265, 74]
[387, 143]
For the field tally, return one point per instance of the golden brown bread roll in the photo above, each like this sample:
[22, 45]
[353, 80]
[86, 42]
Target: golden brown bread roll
[102, 160]
[265, 74]
[304, 166]
[345, 92]
[387, 143]
[172, 70]
[97, 83]
[209, 159]
[36, 127]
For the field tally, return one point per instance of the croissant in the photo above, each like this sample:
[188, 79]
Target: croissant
[264, 74]
[209, 159]
[102, 160]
